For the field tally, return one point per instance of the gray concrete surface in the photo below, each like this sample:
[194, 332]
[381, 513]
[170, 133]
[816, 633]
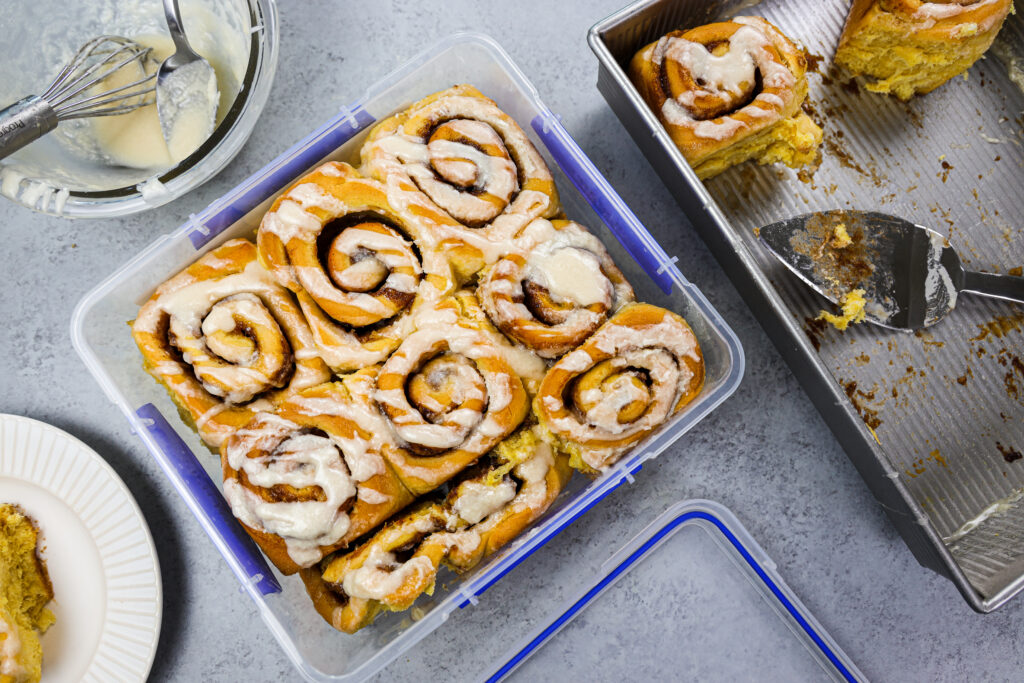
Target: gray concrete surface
[765, 453]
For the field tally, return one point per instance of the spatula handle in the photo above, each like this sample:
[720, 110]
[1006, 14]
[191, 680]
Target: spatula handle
[998, 286]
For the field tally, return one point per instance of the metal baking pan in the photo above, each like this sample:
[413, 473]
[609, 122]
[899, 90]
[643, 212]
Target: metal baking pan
[933, 421]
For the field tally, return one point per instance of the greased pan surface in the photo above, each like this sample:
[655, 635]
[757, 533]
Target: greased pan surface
[946, 404]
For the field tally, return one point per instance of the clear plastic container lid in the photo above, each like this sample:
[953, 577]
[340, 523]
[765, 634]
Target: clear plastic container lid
[692, 597]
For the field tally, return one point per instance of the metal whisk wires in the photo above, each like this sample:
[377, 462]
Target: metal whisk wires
[73, 92]
[81, 90]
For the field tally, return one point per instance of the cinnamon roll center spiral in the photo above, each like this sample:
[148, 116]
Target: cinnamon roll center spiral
[292, 482]
[444, 384]
[712, 79]
[433, 396]
[474, 177]
[371, 272]
[289, 473]
[241, 350]
[611, 393]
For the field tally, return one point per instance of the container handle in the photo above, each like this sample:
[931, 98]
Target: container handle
[210, 508]
[607, 203]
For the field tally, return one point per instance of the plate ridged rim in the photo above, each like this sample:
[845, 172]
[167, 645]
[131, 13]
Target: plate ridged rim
[73, 472]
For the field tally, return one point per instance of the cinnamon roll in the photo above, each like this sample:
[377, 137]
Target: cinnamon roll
[457, 153]
[555, 289]
[489, 510]
[226, 341]
[392, 567]
[908, 47]
[399, 562]
[624, 382]
[354, 263]
[305, 480]
[729, 92]
[445, 397]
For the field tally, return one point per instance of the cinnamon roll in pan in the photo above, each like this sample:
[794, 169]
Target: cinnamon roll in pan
[911, 47]
[388, 571]
[729, 92]
[489, 510]
[483, 512]
[226, 341]
[448, 395]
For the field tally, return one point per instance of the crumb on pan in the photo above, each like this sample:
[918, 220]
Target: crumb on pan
[852, 305]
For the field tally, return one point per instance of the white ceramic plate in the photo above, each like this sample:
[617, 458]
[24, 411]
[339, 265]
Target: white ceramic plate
[98, 550]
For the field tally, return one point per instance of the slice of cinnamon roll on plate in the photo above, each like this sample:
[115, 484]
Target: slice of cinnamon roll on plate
[458, 153]
[226, 341]
[624, 382]
[357, 266]
[729, 92]
[911, 47]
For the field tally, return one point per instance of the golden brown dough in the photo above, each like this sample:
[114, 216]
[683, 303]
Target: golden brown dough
[910, 47]
[729, 92]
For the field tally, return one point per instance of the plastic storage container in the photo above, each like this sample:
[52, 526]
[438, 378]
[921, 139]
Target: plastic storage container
[701, 598]
[100, 336]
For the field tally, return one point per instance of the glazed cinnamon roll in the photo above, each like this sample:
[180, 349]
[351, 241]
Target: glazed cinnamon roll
[447, 395]
[908, 47]
[392, 567]
[306, 480]
[555, 289]
[226, 341]
[489, 510]
[456, 152]
[353, 261]
[729, 92]
[399, 562]
[624, 382]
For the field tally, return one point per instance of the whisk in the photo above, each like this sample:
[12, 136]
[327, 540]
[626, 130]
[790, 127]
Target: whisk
[75, 93]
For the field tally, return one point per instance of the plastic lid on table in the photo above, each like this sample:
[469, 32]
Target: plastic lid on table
[692, 597]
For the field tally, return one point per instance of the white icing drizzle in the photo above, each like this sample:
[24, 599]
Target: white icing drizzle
[570, 275]
[300, 461]
[380, 575]
[657, 349]
[729, 76]
[477, 499]
[372, 496]
[947, 10]
[10, 648]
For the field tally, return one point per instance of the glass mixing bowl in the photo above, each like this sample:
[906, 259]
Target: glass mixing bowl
[61, 175]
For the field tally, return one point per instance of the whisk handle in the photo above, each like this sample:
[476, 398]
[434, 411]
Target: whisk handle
[24, 121]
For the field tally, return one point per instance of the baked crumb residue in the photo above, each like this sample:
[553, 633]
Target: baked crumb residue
[852, 306]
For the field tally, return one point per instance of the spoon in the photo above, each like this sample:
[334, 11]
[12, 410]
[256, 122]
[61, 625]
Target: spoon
[186, 92]
[910, 275]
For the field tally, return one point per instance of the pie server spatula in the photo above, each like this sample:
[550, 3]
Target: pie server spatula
[910, 275]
